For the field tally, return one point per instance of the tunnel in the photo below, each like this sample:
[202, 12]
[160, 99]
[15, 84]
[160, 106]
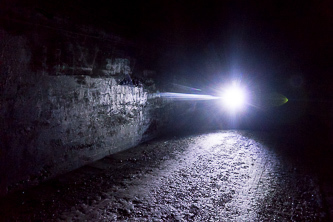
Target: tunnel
[166, 110]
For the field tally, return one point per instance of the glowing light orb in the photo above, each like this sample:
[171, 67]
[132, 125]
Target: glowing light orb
[234, 98]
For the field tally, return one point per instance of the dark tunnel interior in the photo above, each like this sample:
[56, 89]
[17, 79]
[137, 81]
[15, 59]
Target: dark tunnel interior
[81, 80]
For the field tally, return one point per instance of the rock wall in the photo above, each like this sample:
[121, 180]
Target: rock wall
[67, 100]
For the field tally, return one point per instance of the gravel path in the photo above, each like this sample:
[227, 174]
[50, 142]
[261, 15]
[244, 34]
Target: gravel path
[218, 176]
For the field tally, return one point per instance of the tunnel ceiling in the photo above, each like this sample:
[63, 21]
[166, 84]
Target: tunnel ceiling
[200, 41]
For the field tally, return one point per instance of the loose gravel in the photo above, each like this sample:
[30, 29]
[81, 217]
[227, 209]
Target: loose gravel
[217, 176]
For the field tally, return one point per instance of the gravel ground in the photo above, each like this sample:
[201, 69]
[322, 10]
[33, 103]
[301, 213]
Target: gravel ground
[217, 176]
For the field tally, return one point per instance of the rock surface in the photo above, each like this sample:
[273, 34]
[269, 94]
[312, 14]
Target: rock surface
[218, 176]
[64, 102]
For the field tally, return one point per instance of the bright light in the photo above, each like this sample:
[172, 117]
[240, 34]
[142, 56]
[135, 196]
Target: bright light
[234, 97]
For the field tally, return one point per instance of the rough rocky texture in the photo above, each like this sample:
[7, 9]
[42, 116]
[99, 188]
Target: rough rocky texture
[67, 98]
[217, 176]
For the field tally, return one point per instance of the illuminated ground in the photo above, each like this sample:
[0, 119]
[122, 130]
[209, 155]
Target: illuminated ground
[218, 176]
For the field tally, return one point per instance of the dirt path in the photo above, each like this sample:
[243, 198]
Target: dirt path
[219, 176]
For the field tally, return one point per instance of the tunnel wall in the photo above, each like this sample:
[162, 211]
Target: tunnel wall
[67, 99]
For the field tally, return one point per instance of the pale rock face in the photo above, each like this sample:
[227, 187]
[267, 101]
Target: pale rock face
[58, 113]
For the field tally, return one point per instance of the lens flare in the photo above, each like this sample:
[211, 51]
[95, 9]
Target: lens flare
[276, 99]
[186, 96]
[234, 97]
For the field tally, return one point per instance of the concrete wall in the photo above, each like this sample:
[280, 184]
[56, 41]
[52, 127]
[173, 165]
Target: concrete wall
[67, 99]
